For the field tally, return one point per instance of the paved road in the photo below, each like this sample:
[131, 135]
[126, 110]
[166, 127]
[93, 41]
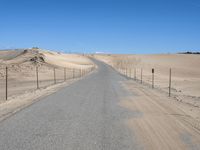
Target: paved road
[85, 116]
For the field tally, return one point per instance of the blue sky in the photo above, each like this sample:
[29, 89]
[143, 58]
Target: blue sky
[115, 26]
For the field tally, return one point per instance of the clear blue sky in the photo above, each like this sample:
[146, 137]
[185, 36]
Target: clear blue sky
[116, 26]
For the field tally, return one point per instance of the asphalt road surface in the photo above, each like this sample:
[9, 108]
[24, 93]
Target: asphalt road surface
[100, 113]
[84, 115]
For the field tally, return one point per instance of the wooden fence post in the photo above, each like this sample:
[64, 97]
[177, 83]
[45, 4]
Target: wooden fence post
[73, 73]
[152, 78]
[170, 79]
[64, 74]
[37, 77]
[141, 75]
[6, 83]
[135, 73]
[54, 70]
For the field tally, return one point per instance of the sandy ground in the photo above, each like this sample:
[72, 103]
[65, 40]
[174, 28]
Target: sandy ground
[185, 72]
[161, 123]
[22, 69]
[22, 85]
[104, 110]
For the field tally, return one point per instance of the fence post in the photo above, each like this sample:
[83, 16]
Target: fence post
[152, 78]
[37, 76]
[141, 75]
[64, 74]
[6, 83]
[54, 71]
[135, 73]
[73, 74]
[170, 78]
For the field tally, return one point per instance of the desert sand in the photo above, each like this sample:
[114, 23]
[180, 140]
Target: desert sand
[22, 64]
[156, 120]
[185, 72]
[161, 122]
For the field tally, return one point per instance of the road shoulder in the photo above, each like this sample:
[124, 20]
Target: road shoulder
[164, 123]
[18, 102]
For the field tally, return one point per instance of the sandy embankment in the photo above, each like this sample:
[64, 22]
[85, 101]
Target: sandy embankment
[159, 121]
[22, 83]
[162, 122]
[185, 72]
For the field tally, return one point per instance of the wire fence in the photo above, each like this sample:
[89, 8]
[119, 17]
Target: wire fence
[148, 77]
[17, 79]
[175, 82]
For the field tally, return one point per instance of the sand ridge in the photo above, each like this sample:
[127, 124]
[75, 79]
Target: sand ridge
[22, 65]
[185, 72]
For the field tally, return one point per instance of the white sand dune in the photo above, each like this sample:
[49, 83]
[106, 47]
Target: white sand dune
[22, 64]
[185, 71]
[11, 57]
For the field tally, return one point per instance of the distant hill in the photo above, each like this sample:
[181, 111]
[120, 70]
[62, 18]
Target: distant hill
[188, 52]
[43, 57]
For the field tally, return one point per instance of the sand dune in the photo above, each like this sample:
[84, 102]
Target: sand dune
[185, 72]
[22, 64]
[43, 56]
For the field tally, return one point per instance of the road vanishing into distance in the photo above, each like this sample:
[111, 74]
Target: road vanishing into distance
[89, 115]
